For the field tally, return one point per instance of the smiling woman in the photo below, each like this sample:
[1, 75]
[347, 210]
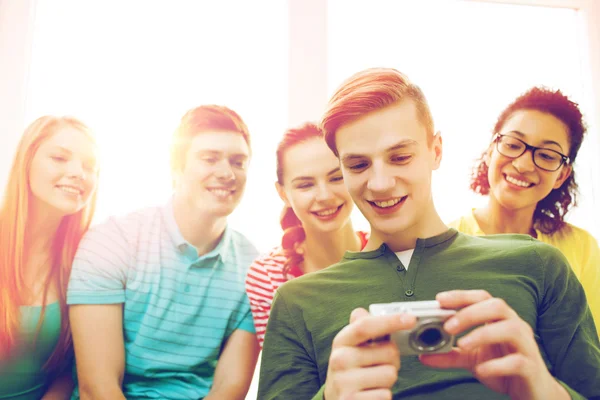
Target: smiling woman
[528, 174]
[316, 224]
[47, 207]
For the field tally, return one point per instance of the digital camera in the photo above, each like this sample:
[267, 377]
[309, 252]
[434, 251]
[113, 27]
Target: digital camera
[428, 335]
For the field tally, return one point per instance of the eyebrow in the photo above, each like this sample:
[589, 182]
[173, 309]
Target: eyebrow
[64, 149]
[398, 146]
[305, 178]
[217, 152]
[546, 142]
[92, 159]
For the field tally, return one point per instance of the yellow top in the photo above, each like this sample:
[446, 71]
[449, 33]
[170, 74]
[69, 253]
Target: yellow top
[578, 246]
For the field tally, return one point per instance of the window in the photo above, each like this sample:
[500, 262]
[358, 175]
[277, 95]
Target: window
[131, 69]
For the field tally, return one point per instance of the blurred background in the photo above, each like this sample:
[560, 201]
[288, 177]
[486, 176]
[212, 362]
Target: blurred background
[131, 68]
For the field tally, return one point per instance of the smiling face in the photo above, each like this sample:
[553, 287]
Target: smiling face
[63, 173]
[517, 183]
[387, 165]
[213, 177]
[313, 186]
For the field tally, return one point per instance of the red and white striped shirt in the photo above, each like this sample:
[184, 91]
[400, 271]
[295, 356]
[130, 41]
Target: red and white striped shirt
[265, 276]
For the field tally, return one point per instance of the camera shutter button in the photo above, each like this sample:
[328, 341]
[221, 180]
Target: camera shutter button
[409, 293]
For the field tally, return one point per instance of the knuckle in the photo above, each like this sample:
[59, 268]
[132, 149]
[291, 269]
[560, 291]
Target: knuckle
[525, 328]
[384, 395]
[389, 375]
[519, 363]
[498, 304]
[391, 350]
[337, 359]
[361, 329]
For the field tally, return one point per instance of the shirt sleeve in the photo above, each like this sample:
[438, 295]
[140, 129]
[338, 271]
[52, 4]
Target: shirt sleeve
[99, 270]
[566, 327]
[590, 276]
[287, 370]
[246, 323]
[260, 292]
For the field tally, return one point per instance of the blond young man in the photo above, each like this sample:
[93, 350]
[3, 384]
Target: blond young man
[524, 325]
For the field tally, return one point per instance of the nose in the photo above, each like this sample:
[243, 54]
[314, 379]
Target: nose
[524, 163]
[323, 192]
[76, 170]
[224, 171]
[380, 180]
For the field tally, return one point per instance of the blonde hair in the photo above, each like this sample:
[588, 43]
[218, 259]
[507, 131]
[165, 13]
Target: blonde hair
[368, 91]
[13, 248]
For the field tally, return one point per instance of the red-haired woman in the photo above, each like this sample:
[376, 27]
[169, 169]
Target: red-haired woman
[316, 224]
[48, 205]
[527, 173]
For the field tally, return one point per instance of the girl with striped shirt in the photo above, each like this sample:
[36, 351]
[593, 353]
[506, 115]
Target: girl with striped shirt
[316, 224]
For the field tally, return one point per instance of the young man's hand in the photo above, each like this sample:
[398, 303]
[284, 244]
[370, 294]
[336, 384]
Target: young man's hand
[360, 367]
[501, 351]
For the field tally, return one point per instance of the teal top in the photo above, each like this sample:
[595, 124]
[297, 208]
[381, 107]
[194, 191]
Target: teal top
[534, 278]
[179, 309]
[22, 377]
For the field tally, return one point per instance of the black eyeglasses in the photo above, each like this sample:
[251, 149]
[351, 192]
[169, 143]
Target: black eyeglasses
[546, 159]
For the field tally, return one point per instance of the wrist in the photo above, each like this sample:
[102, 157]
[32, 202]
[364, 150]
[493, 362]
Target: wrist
[559, 391]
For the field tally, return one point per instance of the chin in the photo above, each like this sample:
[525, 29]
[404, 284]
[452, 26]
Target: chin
[220, 211]
[65, 211]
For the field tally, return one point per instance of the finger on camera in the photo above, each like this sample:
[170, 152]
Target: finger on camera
[485, 311]
[381, 353]
[361, 379]
[514, 364]
[358, 313]
[456, 358]
[372, 328]
[461, 298]
[514, 332]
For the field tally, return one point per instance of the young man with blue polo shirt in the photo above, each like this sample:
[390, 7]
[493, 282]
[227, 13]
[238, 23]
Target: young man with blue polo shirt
[158, 308]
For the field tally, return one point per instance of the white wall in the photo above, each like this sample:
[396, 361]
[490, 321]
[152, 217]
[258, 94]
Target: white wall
[16, 28]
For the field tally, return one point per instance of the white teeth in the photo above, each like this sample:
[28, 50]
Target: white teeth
[220, 192]
[69, 189]
[325, 213]
[517, 182]
[387, 203]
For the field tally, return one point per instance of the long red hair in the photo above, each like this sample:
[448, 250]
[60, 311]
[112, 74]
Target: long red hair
[293, 232]
[13, 248]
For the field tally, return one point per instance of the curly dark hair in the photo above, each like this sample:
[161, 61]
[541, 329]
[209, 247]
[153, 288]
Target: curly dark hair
[550, 212]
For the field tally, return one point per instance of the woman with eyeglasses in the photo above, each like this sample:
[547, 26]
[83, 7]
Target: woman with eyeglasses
[527, 173]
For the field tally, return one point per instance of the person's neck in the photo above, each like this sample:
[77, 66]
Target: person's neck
[201, 230]
[431, 225]
[41, 229]
[494, 218]
[323, 250]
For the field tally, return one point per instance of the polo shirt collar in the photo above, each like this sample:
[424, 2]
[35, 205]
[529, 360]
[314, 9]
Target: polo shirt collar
[187, 249]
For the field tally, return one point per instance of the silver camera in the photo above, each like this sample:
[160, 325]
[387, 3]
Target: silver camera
[428, 336]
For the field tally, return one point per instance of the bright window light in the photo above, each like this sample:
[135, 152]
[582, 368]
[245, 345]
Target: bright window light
[130, 70]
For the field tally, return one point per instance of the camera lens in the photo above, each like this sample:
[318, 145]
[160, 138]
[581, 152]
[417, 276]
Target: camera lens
[430, 337]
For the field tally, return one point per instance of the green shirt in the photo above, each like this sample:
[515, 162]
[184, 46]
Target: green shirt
[532, 277]
[22, 377]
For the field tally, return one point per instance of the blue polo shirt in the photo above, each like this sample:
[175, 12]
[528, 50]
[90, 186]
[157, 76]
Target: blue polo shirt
[178, 308]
